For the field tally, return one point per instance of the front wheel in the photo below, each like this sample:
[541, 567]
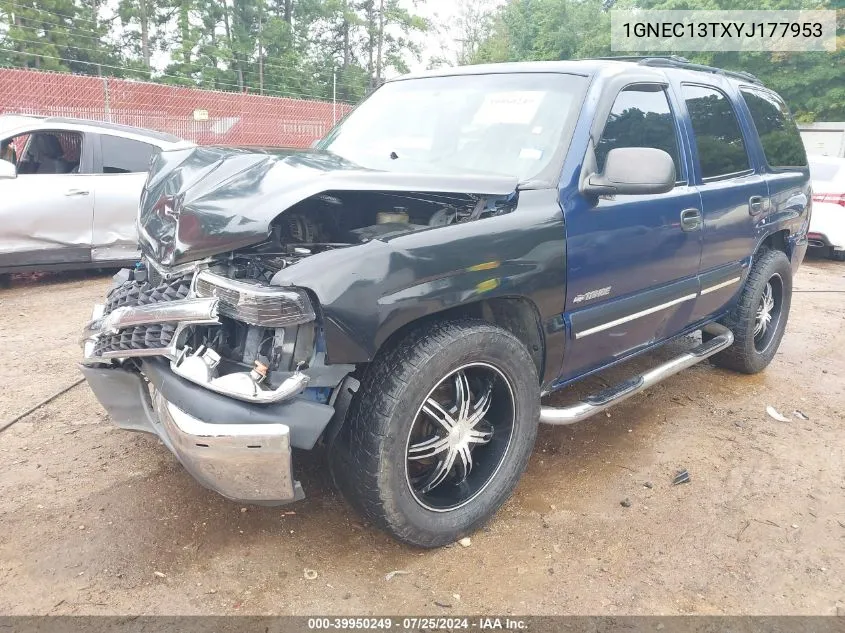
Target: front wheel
[440, 431]
[759, 318]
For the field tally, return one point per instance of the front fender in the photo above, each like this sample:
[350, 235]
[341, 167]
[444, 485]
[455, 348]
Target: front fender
[367, 292]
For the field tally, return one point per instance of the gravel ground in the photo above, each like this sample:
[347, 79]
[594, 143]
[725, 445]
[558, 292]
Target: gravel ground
[94, 520]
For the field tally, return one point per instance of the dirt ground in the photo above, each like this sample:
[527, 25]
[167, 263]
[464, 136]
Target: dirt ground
[94, 520]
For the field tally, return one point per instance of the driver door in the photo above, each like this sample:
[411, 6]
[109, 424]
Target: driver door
[632, 263]
[46, 211]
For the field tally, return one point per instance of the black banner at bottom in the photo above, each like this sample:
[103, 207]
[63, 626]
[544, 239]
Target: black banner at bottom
[408, 624]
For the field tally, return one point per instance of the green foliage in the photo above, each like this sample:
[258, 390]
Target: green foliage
[299, 48]
[54, 35]
[813, 84]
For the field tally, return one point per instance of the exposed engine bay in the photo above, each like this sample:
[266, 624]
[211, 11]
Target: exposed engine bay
[341, 219]
[264, 341]
[247, 346]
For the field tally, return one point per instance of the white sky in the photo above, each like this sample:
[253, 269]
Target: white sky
[441, 13]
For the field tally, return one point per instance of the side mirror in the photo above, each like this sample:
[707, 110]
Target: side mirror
[633, 171]
[7, 170]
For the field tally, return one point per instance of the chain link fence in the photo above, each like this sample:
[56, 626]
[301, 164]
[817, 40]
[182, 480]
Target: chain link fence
[206, 117]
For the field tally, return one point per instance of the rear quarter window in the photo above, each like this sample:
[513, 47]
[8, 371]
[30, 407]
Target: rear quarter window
[125, 156]
[778, 133]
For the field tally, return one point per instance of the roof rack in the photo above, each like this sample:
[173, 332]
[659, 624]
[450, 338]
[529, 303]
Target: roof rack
[676, 61]
[681, 62]
[637, 58]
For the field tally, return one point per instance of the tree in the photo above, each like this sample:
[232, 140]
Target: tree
[471, 26]
[813, 84]
[55, 35]
[298, 48]
[140, 22]
[546, 30]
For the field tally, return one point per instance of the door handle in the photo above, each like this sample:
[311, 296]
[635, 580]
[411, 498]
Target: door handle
[755, 204]
[76, 192]
[690, 220]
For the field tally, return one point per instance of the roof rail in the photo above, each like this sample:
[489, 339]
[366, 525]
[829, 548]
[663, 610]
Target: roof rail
[676, 61]
[680, 62]
[637, 58]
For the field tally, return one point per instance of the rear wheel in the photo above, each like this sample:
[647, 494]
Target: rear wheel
[440, 431]
[759, 318]
[838, 255]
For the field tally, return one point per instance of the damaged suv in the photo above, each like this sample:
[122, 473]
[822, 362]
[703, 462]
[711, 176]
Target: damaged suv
[465, 242]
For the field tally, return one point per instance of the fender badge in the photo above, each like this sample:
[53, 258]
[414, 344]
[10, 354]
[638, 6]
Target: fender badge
[592, 294]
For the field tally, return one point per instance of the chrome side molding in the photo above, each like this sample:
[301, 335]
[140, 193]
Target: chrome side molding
[589, 406]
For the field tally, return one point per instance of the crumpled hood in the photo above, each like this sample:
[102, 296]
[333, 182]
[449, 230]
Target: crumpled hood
[201, 201]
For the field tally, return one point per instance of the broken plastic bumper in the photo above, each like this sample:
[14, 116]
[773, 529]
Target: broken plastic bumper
[239, 450]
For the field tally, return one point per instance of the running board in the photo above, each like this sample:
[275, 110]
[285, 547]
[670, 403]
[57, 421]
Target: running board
[722, 339]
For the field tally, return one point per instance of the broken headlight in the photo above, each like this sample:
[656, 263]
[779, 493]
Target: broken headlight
[254, 302]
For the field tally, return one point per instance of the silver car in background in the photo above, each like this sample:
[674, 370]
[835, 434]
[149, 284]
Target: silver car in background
[69, 191]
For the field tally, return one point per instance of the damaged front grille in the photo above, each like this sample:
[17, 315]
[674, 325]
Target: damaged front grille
[154, 277]
[134, 293]
[154, 336]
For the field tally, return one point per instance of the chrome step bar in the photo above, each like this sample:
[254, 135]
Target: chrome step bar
[722, 339]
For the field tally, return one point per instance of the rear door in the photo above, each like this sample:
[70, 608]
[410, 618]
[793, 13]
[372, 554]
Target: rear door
[123, 164]
[46, 211]
[733, 193]
[783, 156]
[631, 265]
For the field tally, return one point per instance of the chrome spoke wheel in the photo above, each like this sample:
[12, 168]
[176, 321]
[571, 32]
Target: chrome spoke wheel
[459, 437]
[768, 313]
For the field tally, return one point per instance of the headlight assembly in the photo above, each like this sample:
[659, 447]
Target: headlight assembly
[254, 302]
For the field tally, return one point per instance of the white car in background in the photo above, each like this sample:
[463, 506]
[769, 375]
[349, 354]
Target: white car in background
[827, 224]
[69, 191]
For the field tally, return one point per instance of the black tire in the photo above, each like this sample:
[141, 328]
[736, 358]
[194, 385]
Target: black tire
[752, 352]
[5, 280]
[371, 460]
[838, 256]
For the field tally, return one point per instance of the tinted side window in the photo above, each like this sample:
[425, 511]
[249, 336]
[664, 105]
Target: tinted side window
[778, 133]
[124, 156]
[640, 117]
[44, 152]
[721, 150]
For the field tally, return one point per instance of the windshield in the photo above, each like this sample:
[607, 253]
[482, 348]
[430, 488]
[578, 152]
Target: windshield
[507, 124]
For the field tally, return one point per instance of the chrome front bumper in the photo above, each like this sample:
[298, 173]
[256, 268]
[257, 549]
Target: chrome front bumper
[244, 462]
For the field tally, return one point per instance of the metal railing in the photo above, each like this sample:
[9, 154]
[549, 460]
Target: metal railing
[204, 116]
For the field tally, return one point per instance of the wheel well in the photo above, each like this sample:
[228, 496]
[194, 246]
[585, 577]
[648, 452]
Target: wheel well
[517, 315]
[775, 242]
